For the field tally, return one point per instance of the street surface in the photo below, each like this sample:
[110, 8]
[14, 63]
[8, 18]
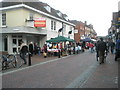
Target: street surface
[75, 71]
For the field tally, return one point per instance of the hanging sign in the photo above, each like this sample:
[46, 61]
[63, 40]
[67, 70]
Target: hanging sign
[40, 22]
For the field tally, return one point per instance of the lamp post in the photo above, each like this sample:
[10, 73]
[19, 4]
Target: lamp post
[84, 27]
[61, 29]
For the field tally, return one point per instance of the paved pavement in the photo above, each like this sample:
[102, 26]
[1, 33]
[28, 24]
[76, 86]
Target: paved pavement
[35, 59]
[105, 76]
[96, 76]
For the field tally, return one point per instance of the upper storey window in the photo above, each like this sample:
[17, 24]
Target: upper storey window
[3, 19]
[48, 8]
[59, 13]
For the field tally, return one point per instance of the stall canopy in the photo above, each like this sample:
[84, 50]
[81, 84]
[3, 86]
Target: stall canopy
[86, 39]
[60, 39]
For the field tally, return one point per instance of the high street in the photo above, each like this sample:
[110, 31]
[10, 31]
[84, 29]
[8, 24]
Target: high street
[75, 71]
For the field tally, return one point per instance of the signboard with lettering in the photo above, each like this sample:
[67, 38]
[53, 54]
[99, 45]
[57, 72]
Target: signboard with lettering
[75, 31]
[40, 22]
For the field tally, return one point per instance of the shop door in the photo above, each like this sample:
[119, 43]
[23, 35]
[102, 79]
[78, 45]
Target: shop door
[16, 40]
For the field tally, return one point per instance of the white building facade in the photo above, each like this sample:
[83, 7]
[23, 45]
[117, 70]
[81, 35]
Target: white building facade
[17, 24]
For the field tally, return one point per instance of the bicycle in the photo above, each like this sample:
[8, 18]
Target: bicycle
[7, 60]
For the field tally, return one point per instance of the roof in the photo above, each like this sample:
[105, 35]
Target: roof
[34, 4]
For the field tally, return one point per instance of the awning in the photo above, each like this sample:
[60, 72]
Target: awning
[86, 39]
[60, 39]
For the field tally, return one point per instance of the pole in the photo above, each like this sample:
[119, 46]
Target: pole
[58, 53]
[29, 59]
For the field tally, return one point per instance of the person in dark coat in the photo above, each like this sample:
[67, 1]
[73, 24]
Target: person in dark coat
[35, 48]
[117, 54]
[97, 52]
[101, 50]
[23, 51]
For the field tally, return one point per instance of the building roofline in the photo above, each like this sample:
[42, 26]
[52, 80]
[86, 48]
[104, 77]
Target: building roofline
[31, 8]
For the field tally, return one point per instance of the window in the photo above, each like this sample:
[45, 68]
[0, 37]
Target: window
[59, 14]
[31, 16]
[4, 19]
[48, 8]
[53, 25]
[64, 28]
[71, 28]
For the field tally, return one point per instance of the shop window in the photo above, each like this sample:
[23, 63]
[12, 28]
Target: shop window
[14, 49]
[14, 36]
[14, 42]
[19, 42]
[5, 44]
[20, 36]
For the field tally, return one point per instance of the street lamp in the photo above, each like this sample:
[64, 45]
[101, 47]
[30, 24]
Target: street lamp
[60, 31]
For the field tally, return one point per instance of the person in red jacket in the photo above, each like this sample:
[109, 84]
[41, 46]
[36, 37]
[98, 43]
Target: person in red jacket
[91, 46]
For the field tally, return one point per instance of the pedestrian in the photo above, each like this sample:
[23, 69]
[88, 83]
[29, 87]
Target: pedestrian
[23, 51]
[101, 50]
[91, 46]
[39, 50]
[97, 52]
[83, 46]
[112, 46]
[69, 49]
[117, 54]
[45, 50]
[35, 48]
[31, 48]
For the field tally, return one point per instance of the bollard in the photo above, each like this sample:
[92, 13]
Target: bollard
[29, 59]
[58, 53]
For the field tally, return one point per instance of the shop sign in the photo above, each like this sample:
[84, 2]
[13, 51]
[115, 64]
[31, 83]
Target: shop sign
[75, 31]
[40, 22]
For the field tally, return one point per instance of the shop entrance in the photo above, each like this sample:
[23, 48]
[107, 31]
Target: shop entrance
[16, 41]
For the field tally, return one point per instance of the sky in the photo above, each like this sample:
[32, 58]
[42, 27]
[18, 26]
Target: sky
[95, 12]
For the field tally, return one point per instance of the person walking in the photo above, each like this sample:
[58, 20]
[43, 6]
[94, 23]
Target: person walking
[96, 47]
[117, 54]
[45, 50]
[23, 51]
[112, 46]
[39, 50]
[101, 50]
[91, 46]
[35, 48]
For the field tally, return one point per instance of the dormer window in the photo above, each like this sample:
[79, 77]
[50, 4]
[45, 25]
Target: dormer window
[48, 8]
[65, 17]
[59, 13]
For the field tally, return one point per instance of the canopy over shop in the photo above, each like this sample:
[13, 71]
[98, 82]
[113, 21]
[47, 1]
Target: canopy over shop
[60, 42]
[60, 39]
[88, 40]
